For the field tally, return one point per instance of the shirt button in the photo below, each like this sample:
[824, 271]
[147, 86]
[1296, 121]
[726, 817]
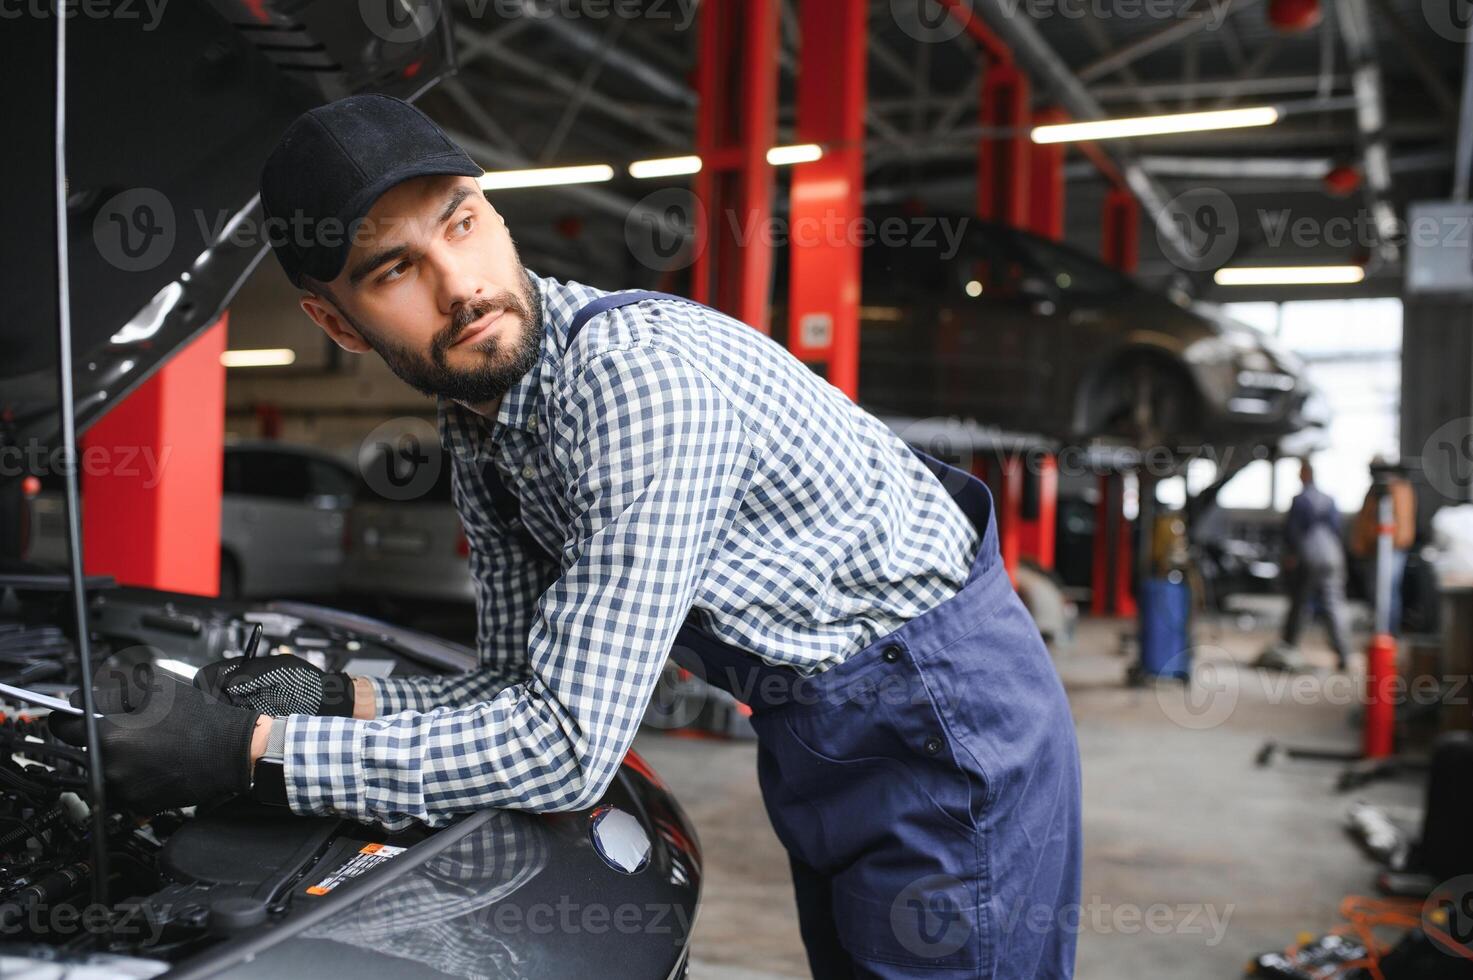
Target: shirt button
[933, 745]
[528, 472]
[531, 425]
[891, 654]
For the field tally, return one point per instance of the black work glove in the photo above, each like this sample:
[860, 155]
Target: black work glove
[278, 685]
[164, 743]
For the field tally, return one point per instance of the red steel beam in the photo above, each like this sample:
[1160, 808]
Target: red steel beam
[151, 473]
[1121, 230]
[736, 79]
[826, 195]
[1002, 161]
[992, 45]
[1039, 530]
[1046, 181]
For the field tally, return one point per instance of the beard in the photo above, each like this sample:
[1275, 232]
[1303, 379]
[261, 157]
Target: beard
[503, 360]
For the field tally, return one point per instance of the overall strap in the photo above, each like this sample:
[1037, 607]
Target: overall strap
[505, 503]
[614, 301]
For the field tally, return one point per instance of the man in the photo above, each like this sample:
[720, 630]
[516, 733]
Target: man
[639, 474]
[1314, 564]
[1386, 478]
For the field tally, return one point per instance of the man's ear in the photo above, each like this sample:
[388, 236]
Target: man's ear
[326, 315]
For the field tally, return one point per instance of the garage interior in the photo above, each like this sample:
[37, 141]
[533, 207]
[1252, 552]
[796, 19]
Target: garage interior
[1255, 249]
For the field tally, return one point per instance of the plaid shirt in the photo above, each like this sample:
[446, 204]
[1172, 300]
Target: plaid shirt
[672, 459]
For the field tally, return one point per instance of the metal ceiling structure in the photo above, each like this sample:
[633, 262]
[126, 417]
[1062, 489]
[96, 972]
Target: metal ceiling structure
[1375, 85]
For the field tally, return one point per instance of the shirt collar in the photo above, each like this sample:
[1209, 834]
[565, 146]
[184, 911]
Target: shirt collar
[470, 435]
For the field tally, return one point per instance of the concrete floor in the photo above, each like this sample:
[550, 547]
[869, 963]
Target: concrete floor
[1195, 859]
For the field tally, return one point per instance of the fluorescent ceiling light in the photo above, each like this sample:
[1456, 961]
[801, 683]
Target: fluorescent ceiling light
[264, 357]
[500, 180]
[801, 153]
[665, 167]
[1289, 275]
[1180, 122]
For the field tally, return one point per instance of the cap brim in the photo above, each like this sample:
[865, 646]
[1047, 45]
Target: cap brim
[446, 164]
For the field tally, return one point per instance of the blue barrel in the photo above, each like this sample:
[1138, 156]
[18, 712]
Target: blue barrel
[1165, 606]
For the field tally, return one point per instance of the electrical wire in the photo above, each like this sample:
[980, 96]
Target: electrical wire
[1364, 915]
[69, 447]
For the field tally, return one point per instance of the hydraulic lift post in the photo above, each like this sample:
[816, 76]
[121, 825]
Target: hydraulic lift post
[823, 291]
[151, 514]
[736, 80]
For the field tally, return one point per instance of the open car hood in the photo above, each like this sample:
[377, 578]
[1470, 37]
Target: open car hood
[168, 122]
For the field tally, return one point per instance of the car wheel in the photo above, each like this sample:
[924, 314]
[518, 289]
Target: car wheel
[229, 577]
[1150, 402]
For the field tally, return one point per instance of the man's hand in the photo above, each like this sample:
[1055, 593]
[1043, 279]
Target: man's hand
[278, 685]
[164, 743]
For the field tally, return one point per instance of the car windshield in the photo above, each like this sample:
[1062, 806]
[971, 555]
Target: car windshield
[398, 476]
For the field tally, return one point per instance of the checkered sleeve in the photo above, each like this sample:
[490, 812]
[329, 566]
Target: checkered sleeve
[508, 574]
[655, 461]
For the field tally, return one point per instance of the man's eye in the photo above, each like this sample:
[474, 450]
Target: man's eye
[466, 223]
[397, 270]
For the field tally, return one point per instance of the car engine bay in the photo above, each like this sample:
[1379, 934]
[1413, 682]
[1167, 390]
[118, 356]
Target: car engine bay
[179, 880]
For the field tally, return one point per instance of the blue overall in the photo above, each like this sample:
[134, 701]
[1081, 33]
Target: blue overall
[927, 788]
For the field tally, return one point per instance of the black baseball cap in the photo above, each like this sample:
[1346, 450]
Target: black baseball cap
[332, 163]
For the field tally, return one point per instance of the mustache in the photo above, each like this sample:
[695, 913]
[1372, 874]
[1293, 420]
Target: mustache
[469, 313]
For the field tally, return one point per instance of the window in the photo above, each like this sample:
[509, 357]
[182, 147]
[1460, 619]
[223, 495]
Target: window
[329, 479]
[1352, 353]
[1071, 272]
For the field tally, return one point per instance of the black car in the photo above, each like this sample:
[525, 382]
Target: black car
[963, 318]
[189, 108]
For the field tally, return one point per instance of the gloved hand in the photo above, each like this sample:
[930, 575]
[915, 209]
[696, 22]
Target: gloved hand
[278, 685]
[164, 743]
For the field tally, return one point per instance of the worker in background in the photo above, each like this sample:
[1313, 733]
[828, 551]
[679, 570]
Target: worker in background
[1386, 478]
[1314, 565]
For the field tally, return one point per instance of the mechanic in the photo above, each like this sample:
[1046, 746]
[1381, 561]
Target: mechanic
[640, 476]
[1314, 565]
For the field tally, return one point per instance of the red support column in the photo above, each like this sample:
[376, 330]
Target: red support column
[151, 472]
[1010, 514]
[826, 194]
[1046, 181]
[736, 78]
[1124, 562]
[1039, 529]
[1120, 245]
[1002, 160]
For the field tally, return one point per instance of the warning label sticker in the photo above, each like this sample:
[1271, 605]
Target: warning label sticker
[369, 856]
